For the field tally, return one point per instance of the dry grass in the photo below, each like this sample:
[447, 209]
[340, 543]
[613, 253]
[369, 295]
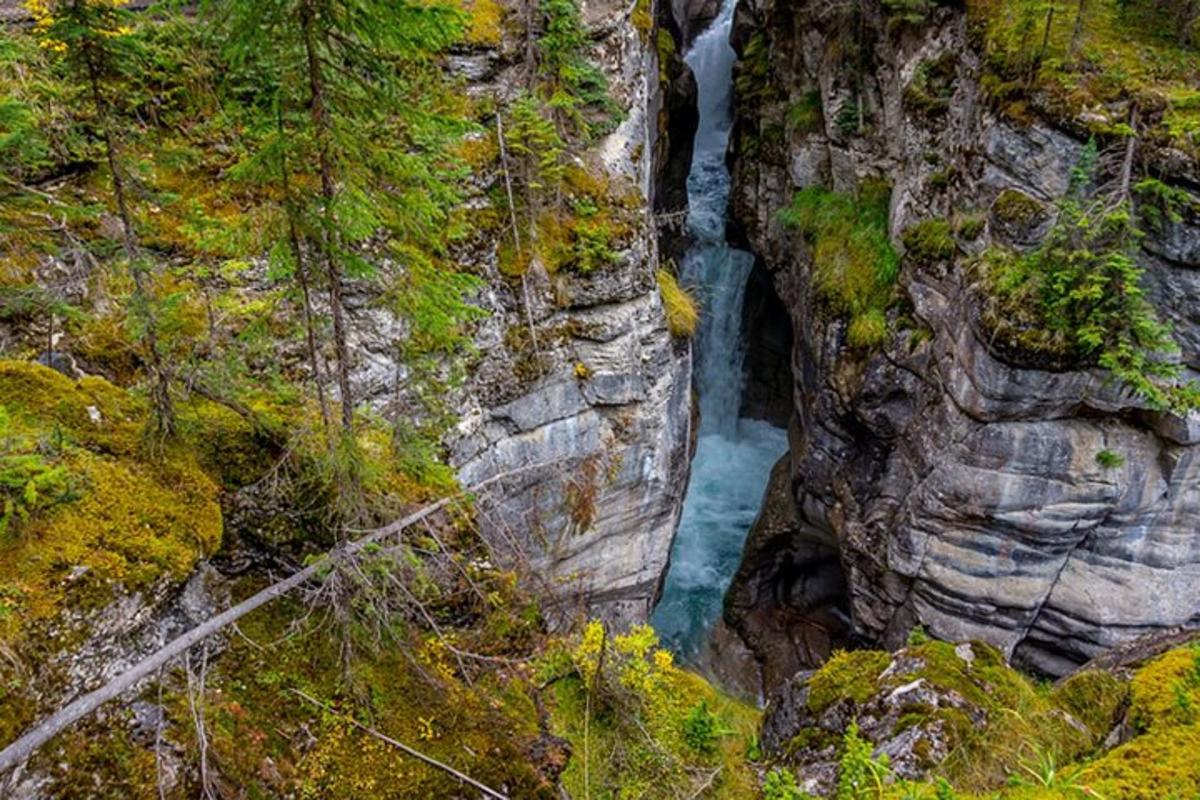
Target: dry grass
[683, 315]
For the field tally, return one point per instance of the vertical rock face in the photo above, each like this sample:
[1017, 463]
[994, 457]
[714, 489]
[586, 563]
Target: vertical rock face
[583, 427]
[959, 483]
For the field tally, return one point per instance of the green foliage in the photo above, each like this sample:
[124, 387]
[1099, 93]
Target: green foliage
[854, 264]
[860, 775]
[1160, 203]
[30, 480]
[1079, 296]
[804, 116]
[917, 636]
[1098, 54]
[637, 723]
[1109, 460]
[780, 784]
[930, 240]
[911, 12]
[700, 728]
[573, 88]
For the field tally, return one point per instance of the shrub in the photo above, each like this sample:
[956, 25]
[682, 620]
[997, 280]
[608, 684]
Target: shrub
[780, 784]
[700, 728]
[29, 482]
[1079, 295]
[860, 776]
[917, 636]
[1109, 460]
[683, 316]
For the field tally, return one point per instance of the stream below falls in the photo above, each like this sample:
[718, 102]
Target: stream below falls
[733, 456]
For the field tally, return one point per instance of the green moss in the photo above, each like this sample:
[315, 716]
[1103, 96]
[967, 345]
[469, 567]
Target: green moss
[812, 738]
[642, 19]
[929, 92]
[1167, 690]
[1160, 764]
[847, 675]
[139, 518]
[626, 718]
[682, 311]
[1017, 208]
[136, 522]
[970, 226]
[804, 116]
[1093, 697]
[929, 240]
[854, 264]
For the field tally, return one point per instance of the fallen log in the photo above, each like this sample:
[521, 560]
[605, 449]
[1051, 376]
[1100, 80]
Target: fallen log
[19, 751]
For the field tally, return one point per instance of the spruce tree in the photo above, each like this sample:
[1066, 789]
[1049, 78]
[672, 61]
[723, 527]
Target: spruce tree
[93, 39]
[355, 137]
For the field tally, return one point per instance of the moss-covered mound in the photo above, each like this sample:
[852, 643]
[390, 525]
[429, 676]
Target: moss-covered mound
[90, 515]
[120, 518]
[942, 721]
[640, 727]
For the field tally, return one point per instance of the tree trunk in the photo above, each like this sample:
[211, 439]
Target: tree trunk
[302, 277]
[1041, 56]
[320, 121]
[1077, 32]
[160, 379]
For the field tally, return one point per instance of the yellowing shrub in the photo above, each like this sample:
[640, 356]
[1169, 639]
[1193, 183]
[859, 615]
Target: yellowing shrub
[683, 315]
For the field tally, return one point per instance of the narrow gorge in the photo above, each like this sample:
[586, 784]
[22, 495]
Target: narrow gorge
[600, 399]
[733, 454]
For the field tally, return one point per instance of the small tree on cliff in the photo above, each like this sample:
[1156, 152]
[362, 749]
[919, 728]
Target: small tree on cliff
[352, 141]
[93, 40]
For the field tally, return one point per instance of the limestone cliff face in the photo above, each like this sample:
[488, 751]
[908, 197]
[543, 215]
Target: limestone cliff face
[589, 419]
[958, 483]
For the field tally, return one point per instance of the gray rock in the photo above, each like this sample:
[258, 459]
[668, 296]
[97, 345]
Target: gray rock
[958, 485]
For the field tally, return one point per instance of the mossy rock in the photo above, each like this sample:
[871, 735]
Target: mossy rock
[138, 517]
[1018, 219]
[135, 522]
[1093, 697]
[1166, 691]
[848, 675]
[929, 241]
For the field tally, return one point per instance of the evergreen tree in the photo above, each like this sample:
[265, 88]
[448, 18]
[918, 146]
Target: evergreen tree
[327, 83]
[93, 39]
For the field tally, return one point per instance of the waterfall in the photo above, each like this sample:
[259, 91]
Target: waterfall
[733, 456]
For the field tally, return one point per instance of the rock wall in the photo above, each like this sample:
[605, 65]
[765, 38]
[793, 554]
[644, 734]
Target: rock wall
[591, 443]
[959, 483]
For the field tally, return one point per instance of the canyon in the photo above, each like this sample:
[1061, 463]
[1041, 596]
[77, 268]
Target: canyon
[773, 369]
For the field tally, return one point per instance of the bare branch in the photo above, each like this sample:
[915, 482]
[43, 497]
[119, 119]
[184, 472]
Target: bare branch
[490, 792]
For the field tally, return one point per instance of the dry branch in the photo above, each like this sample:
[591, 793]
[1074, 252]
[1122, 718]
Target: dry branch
[417, 754]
